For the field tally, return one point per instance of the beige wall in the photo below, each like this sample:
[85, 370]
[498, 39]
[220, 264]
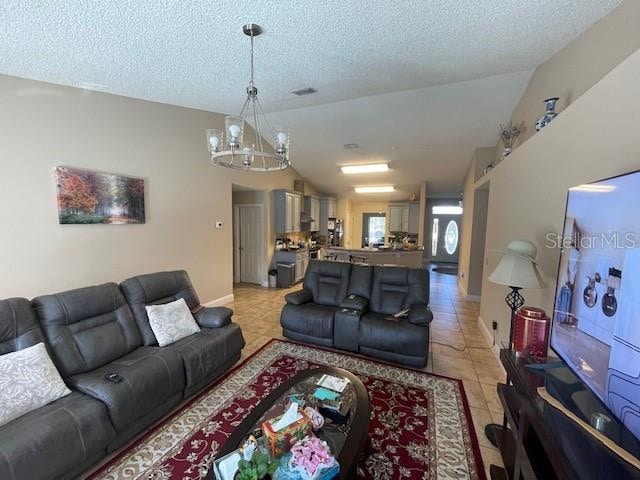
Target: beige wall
[594, 138]
[44, 125]
[578, 66]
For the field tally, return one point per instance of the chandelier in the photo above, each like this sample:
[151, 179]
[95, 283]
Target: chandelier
[233, 149]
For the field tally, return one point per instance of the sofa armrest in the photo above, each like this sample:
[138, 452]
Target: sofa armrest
[299, 297]
[420, 315]
[213, 317]
[354, 302]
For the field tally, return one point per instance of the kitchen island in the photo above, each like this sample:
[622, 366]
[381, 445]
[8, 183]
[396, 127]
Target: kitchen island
[375, 256]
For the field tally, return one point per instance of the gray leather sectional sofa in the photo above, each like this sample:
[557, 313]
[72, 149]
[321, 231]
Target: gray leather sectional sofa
[94, 331]
[350, 307]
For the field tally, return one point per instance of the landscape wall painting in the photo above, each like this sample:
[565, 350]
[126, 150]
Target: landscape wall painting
[91, 197]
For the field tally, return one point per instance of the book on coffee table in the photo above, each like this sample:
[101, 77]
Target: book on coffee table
[333, 383]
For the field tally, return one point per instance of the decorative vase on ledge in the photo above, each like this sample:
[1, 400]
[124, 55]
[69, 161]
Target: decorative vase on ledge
[549, 114]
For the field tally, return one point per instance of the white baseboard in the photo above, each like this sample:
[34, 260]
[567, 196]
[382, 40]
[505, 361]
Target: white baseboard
[489, 337]
[220, 301]
[471, 298]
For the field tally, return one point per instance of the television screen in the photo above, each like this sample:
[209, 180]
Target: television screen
[596, 327]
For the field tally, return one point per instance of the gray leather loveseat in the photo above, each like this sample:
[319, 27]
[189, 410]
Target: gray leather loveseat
[94, 332]
[351, 307]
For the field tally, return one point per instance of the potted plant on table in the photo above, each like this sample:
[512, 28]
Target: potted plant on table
[260, 466]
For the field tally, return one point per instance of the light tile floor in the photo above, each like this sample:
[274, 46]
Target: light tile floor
[458, 348]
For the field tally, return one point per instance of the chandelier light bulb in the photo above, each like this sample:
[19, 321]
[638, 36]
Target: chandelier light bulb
[214, 142]
[234, 130]
[282, 138]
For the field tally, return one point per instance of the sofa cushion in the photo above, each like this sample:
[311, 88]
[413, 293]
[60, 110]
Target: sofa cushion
[309, 319]
[156, 289]
[171, 321]
[149, 377]
[204, 352]
[360, 281]
[18, 326]
[29, 381]
[397, 288]
[393, 336]
[327, 281]
[52, 440]
[76, 324]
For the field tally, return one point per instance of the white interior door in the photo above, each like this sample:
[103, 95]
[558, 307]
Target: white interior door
[250, 243]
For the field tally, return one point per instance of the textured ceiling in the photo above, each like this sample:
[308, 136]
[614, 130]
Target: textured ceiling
[427, 134]
[192, 53]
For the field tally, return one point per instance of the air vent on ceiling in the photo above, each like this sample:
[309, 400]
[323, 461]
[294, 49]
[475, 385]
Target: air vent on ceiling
[304, 91]
[351, 146]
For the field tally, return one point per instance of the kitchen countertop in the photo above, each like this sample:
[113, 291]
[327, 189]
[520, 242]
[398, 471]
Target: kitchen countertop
[374, 250]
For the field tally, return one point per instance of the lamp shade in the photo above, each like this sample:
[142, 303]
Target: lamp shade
[517, 267]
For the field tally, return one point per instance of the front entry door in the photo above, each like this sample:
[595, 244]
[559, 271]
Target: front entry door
[250, 239]
[445, 238]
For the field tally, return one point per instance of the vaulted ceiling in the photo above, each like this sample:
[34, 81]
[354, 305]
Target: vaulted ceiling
[417, 83]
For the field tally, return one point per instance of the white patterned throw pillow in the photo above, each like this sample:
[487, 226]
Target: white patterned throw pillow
[171, 322]
[28, 380]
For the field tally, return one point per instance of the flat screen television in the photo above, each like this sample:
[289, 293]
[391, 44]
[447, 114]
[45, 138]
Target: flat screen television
[596, 324]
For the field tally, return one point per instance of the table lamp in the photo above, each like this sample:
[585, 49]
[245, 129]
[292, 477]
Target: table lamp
[517, 269]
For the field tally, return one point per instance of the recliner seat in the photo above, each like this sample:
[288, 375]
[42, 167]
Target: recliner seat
[205, 355]
[91, 333]
[309, 314]
[59, 440]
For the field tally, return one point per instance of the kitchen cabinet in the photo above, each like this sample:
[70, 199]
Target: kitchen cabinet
[312, 208]
[414, 218]
[399, 217]
[328, 209]
[288, 206]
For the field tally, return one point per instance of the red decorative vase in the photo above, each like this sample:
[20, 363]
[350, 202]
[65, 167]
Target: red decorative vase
[531, 333]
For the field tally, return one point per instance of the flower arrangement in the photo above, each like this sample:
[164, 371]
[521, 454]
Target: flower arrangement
[508, 133]
[312, 455]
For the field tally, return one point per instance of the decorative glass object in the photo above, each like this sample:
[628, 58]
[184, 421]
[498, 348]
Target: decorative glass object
[214, 140]
[549, 114]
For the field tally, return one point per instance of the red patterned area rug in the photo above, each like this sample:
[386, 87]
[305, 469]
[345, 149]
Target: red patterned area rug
[420, 427]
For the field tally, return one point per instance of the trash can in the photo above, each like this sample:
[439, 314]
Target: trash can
[273, 278]
[286, 274]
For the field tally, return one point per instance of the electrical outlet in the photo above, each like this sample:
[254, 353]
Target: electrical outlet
[494, 325]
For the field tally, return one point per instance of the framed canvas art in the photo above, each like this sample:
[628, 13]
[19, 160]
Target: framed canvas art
[86, 196]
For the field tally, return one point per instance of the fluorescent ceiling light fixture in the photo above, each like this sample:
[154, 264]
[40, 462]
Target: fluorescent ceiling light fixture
[370, 168]
[593, 188]
[379, 189]
[447, 210]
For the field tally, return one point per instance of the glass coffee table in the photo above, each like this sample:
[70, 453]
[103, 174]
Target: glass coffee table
[347, 441]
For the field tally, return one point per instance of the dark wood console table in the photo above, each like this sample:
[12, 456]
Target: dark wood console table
[541, 442]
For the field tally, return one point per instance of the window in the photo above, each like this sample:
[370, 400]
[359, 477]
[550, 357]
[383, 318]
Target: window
[451, 237]
[376, 230]
[434, 237]
[447, 210]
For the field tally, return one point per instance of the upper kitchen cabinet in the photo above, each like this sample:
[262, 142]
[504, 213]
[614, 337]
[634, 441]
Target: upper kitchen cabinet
[288, 206]
[312, 209]
[399, 217]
